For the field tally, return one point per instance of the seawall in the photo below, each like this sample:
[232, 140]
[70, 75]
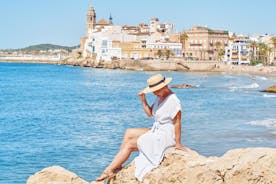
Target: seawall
[153, 65]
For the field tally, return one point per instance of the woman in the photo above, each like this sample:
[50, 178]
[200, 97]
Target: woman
[151, 143]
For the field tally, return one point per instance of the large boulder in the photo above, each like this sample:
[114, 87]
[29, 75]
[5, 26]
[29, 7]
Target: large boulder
[271, 89]
[55, 175]
[240, 166]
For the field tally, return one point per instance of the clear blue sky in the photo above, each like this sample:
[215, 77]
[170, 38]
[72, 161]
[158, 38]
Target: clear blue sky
[28, 22]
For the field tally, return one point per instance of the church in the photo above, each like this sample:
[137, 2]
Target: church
[105, 41]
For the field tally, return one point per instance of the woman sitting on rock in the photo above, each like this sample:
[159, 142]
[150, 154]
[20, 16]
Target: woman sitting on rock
[151, 143]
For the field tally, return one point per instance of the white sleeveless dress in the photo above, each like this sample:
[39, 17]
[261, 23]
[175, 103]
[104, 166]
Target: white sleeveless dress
[152, 144]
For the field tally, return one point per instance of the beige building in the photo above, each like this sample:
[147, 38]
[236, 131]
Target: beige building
[205, 44]
[133, 50]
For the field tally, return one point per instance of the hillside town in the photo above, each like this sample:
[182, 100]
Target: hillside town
[105, 41]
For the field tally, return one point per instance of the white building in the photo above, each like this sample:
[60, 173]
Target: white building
[103, 39]
[176, 48]
[238, 51]
[166, 28]
[99, 43]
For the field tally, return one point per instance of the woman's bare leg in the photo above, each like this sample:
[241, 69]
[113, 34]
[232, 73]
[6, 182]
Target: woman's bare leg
[129, 144]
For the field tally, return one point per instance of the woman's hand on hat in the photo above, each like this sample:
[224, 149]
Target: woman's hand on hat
[142, 96]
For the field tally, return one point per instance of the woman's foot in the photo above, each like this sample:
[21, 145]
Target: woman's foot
[105, 175]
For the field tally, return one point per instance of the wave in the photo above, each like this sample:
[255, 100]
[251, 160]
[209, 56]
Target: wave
[269, 123]
[258, 78]
[261, 78]
[251, 86]
[229, 76]
[256, 139]
[269, 96]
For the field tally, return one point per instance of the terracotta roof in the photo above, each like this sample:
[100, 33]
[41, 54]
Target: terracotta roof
[102, 22]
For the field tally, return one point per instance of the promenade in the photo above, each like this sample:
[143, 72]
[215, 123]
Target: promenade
[148, 65]
[32, 59]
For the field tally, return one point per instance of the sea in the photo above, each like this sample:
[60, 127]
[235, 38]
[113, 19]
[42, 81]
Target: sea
[75, 117]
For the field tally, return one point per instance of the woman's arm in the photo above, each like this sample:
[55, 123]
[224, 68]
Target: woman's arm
[177, 125]
[147, 108]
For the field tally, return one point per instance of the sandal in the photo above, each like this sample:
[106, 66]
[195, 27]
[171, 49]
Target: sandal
[105, 175]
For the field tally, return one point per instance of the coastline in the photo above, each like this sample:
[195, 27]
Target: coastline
[155, 65]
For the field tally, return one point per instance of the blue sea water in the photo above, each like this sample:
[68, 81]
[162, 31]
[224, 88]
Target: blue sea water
[75, 117]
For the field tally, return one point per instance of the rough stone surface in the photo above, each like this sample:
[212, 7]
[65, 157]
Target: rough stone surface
[183, 86]
[55, 175]
[239, 166]
[271, 89]
[172, 64]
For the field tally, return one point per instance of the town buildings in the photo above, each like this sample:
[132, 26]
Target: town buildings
[105, 41]
[204, 43]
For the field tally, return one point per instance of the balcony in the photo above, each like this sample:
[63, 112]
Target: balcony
[234, 57]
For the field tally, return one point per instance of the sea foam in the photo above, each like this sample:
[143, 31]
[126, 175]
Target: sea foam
[270, 123]
[250, 86]
[269, 96]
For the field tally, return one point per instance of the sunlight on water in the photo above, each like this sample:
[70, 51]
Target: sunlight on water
[76, 117]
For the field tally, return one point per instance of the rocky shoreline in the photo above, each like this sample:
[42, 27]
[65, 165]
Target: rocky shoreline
[159, 65]
[238, 166]
[170, 65]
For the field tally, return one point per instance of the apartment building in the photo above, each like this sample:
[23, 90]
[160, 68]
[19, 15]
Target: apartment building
[204, 43]
[238, 51]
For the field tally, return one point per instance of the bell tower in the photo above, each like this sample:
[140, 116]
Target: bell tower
[90, 19]
[110, 19]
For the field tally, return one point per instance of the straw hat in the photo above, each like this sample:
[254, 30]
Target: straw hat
[156, 82]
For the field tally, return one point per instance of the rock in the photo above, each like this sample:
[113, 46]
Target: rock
[238, 166]
[183, 86]
[55, 175]
[271, 89]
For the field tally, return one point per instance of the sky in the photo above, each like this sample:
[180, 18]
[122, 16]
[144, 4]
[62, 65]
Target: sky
[28, 22]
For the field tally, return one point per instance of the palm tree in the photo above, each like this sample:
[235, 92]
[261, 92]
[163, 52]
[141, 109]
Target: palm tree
[218, 49]
[221, 53]
[273, 40]
[159, 53]
[269, 51]
[168, 54]
[263, 53]
[183, 38]
[254, 45]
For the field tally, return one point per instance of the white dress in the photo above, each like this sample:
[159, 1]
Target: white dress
[152, 144]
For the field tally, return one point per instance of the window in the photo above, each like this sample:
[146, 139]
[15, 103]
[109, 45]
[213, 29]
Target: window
[104, 43]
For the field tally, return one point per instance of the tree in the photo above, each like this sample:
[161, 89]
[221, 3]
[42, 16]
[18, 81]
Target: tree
[263, 52]
[168, 54]
[159, 53]
[183, 38]
[253, 45]
[273, 40]
[221, 53]
[218, 49]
